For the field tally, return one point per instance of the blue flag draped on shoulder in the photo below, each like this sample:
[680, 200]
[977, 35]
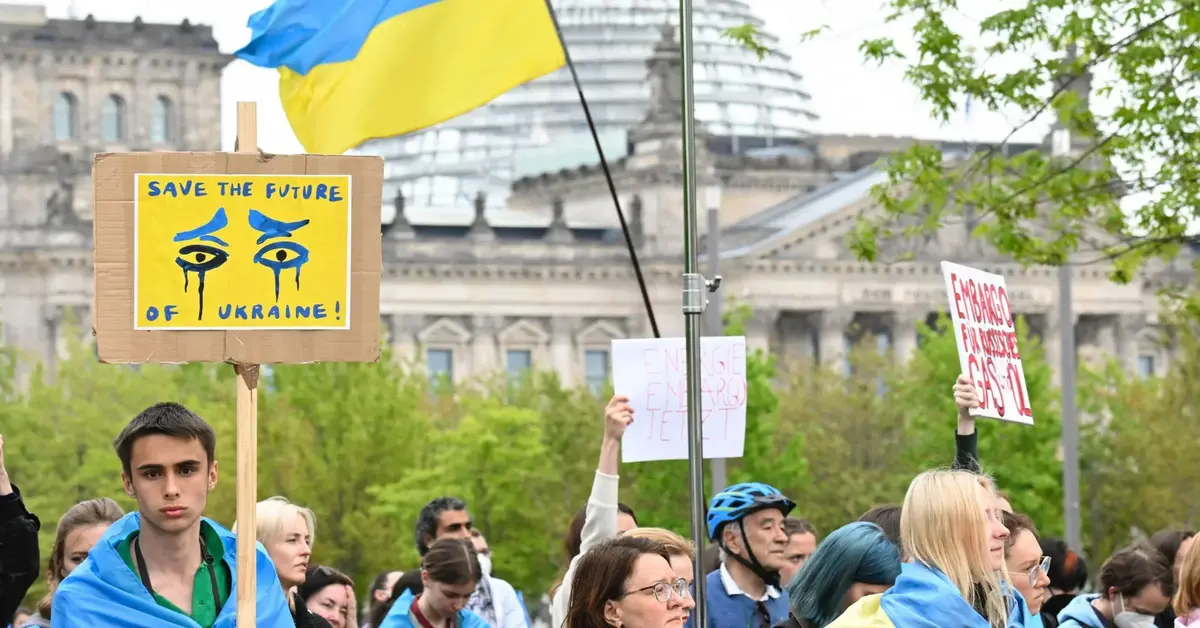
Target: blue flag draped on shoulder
[104, 592]
[354, 70]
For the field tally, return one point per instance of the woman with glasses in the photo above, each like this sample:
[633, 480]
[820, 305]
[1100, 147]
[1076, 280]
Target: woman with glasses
[1028, 569]
[679, 551]
[854, 561]
[628, 582]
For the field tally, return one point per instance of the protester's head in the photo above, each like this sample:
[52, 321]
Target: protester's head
[450, 572]
[288, 532]
[483, 551]
[21, 616]
[1135, 583]
[627, 582]
[1068, 571]
[679, 550]
[1187, 598]
[329, 594]
[626, 521]
[1173, 544]
[887, 517]
[854, 561]
[802, 541]
[746, 520]
[381, 591]
[168, 464]
[950, 523]
[409, 581]
[79, 529]
[444, 517]
[1023, 557]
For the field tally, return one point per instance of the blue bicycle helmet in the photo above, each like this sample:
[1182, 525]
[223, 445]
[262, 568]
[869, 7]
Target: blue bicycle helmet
[739, 500]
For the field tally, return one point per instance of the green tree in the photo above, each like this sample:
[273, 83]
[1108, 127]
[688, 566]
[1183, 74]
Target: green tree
[1140, 54]
[1137, 446]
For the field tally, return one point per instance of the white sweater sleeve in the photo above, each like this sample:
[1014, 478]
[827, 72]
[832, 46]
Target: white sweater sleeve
[509, 612]
[600, 523]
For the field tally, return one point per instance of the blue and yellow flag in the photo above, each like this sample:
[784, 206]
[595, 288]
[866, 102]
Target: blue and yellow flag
[354, 70]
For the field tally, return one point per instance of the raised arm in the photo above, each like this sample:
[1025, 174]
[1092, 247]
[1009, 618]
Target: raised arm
[966, 439]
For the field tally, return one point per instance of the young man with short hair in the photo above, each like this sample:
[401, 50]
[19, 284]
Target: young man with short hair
[166, 564]
[495, 600]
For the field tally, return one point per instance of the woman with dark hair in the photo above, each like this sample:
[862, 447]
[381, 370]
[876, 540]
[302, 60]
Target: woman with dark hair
[449, 573]
[379, 594]
[409, 582]
[627, 582]
[854, 561]
[1068, 576]
[329, 594]
[78, 530]
[603, 517]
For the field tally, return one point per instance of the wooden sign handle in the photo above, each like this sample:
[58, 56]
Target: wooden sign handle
[247, 432]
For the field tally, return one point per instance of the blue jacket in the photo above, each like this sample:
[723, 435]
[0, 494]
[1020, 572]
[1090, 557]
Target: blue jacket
[103, 592]
[398, 617]
[1080, 614]
[736, 611]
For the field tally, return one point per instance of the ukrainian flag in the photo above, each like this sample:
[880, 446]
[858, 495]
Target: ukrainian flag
[354, 70]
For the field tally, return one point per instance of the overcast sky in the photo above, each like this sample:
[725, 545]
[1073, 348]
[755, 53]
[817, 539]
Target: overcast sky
[848, 95]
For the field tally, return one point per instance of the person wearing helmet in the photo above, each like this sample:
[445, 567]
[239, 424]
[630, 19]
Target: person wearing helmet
[746, 521]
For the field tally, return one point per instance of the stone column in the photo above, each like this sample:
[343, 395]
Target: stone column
[1129, 327]
[564, 355]
[904, 333]
[759, 328]
[402, 335]
[832, 344]
[485, 357]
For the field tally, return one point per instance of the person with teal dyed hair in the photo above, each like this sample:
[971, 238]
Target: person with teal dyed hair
[855, 561]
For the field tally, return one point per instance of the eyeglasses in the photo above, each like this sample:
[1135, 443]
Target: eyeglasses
[663, 590]
[1041, 568]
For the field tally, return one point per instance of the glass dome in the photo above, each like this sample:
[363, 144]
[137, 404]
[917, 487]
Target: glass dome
[745, 104]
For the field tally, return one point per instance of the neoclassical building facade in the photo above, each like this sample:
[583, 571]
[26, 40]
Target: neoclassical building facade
[545, 281]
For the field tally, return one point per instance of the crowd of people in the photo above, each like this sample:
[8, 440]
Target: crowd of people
[954, 554]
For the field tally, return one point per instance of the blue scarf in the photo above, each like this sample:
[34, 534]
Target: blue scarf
[104, 592]
[925, 598]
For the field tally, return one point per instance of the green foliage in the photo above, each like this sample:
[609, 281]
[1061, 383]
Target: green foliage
[366, 445]
[1139, 443]
[1033, 207]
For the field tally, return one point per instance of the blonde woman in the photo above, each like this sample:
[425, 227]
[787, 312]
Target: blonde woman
[951, 530]
[287, 531]
[1187, 597]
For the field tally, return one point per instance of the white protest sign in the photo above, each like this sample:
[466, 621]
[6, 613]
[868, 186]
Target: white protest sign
[652, 372]
[986, 332]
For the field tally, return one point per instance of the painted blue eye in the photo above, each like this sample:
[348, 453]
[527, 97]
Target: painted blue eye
[282, 256]
[198, 258]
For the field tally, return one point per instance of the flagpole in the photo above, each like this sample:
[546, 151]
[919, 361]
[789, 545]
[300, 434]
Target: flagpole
[695, 299]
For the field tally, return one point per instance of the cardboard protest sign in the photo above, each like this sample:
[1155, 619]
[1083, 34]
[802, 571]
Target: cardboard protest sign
[986, 332]
[237, 257]
[652, 372]
[241, 251]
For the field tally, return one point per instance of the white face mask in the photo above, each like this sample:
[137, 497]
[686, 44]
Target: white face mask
[485, 563]
[1129, 619]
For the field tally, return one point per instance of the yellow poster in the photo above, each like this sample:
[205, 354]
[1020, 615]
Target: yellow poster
[241, 252]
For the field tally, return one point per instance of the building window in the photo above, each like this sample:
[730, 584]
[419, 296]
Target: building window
[1146, 366]
[65, 116]
[518, 361]
[595, 366]
[160, 121]
[114, 119]
[440, 363]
